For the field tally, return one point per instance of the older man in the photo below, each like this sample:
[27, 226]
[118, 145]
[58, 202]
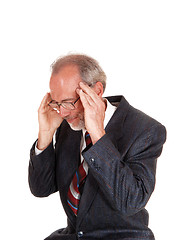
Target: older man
[99, 153]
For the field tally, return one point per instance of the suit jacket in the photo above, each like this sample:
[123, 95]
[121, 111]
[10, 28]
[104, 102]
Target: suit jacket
[120, 181]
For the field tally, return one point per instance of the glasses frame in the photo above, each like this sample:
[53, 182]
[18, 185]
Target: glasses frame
[61, 104]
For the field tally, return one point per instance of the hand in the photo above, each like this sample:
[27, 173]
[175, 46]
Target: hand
[94, 111]
[49, 121]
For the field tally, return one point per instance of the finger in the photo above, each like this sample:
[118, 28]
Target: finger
[89, 91]
[83, 98]
[46, 99]
[90, 100]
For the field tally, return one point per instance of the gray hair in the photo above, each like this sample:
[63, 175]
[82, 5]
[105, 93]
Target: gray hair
[89, 69]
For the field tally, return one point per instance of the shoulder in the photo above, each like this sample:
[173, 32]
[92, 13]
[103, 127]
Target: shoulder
[133, 122]
[142, 122]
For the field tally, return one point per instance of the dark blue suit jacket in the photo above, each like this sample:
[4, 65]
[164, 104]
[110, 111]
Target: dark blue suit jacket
[120, 181]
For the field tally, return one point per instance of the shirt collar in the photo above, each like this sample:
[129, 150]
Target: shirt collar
[109, 112]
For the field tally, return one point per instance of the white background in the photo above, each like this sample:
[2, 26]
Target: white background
[138, 44]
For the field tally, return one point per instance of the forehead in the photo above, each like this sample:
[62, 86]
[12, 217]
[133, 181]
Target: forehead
[64, 83]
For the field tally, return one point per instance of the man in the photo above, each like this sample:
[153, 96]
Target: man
[106, 180]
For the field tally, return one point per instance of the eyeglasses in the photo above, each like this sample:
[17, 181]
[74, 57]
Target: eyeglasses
[67, 105]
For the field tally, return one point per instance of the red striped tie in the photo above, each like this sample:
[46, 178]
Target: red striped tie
[78, 180]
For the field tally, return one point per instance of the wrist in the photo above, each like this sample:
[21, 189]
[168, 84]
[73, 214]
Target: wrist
[98, 135]
[44, 139]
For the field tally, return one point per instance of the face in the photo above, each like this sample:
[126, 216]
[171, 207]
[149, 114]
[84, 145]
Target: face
[63, 87]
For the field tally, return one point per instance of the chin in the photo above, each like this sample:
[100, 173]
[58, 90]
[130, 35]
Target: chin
[78, 127]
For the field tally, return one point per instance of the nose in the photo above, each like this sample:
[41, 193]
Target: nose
[63, 112]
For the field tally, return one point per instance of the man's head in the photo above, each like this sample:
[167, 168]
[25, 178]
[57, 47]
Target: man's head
[67, 72]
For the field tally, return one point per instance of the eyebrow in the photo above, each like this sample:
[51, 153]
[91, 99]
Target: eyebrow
[65, 100]
[68, 99]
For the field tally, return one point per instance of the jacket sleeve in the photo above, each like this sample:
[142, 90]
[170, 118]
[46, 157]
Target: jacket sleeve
[41, 175]
[127, 181]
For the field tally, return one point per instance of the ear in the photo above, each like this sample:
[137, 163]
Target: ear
[98, 88]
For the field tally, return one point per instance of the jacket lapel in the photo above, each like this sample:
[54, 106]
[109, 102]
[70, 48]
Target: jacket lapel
[89, 193]
[69, 151]
[114, 128]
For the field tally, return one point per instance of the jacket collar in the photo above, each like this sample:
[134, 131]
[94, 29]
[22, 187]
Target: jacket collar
[114, 128]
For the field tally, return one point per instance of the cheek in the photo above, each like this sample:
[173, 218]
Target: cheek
[79, 112]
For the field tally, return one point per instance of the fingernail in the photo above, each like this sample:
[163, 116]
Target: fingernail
[78, 90]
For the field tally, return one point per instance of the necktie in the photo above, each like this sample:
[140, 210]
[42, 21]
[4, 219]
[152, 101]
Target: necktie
[78, 181]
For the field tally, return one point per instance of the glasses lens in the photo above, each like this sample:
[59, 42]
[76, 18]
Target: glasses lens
[54, 105]
[68, 106]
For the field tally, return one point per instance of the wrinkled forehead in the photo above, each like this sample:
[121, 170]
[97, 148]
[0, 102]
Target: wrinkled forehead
[63, 84]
